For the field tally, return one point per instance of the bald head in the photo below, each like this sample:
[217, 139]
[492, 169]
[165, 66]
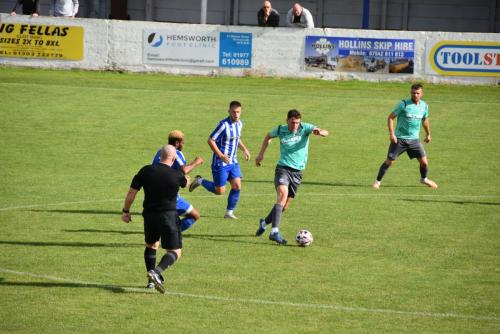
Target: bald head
[297, 9]
[167, 155]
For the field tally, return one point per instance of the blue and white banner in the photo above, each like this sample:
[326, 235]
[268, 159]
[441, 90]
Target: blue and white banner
[170, 47]
[348, 54]
[463, 58]
[235, 50]
[197, 48]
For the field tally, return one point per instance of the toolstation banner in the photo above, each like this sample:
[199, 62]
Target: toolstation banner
[463, 58]
[41, 41]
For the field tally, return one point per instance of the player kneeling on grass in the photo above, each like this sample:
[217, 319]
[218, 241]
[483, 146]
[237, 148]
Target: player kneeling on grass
[161, 184]
[411, 113]
[294, 146]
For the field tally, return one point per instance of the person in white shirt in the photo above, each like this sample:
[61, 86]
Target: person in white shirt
[299, 17]
[68, 8]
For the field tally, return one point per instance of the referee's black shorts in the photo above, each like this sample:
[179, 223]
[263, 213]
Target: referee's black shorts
[163, 226]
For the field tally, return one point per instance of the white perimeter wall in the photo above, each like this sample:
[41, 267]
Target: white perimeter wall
[118, 45]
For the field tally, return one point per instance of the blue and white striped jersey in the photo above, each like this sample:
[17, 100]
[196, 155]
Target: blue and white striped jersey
[227, 137]
[178, 163]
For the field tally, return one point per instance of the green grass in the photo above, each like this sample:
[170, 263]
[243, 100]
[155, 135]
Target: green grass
[404, 259]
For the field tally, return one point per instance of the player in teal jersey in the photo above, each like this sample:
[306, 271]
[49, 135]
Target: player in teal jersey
[411, 114]
[294, 146]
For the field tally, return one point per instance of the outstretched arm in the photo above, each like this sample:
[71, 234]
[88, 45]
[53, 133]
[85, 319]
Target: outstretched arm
[265, 144]
[186, 169]
[320, 132]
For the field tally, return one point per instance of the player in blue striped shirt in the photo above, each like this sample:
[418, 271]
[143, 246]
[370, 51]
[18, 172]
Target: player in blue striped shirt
[183, 207]
[224, 142]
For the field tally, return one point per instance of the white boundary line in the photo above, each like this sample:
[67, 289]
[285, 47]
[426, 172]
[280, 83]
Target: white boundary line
[262, 301]
[374, 194]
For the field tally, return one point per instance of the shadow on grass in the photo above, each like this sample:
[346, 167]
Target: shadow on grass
[115, 289]
[236, 238]
[112, 288]
[326, 184]
[68, 244]
[341, 184]
[87, 212]
[88, 230]
[452, 202]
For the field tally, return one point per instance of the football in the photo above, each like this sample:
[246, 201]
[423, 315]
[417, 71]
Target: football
[304, 238]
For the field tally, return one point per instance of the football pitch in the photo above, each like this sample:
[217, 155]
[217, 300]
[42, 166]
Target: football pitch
[402, 259]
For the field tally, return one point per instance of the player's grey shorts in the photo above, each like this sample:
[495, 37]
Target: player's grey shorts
[412, 147]
[286, 176]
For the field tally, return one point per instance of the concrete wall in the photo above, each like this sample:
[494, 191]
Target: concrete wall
[414, 15]
[118, 45]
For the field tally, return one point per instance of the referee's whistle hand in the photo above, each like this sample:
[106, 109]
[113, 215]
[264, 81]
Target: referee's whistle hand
[126, 217]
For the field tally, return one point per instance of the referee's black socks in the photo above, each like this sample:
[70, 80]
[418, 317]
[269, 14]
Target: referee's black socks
[166, 261]
[150, 258]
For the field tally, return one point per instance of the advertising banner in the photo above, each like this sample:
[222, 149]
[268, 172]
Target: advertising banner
[348, 54]
[235, 50]
[462, 58]
[41, 41]
[196, 48]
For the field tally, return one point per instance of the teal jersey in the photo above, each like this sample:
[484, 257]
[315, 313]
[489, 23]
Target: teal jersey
[410, 117]
[293, 146]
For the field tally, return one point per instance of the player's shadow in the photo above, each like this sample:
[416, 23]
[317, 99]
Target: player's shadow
[88, 230]
[233, 238]
[89, 212]
[449, 201]
[70, 285]
[336, 184]
[75, 244]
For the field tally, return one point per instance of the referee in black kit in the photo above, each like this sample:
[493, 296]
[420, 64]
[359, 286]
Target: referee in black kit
[161, 184]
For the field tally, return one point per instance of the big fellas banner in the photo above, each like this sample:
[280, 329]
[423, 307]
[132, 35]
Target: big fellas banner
[41, 41]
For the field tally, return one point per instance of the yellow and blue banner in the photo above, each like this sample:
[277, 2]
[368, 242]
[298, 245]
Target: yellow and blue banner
[463, 58]
[41, 41]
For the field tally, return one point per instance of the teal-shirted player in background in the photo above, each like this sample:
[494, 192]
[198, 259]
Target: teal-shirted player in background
[411, 114]
[294, 146]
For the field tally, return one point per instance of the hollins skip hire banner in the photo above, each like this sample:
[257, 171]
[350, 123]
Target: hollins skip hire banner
[351, 54]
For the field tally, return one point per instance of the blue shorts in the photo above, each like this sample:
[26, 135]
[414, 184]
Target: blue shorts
[223, 174]
[182, 206]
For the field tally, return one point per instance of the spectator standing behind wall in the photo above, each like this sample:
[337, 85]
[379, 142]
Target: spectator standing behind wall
[268, 16]
[68, 8]
[30, 7]
[299, 17]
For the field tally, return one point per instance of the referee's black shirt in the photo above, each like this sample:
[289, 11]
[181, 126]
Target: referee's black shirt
[161, 184]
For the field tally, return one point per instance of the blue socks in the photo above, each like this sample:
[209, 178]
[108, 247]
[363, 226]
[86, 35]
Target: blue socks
[209, 185]
[232, 199]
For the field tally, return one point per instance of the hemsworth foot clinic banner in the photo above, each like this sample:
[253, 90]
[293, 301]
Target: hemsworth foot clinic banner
[41, 41]
[347, 54]
[197, 48]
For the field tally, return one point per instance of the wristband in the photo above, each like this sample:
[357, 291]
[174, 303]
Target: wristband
[125, 211]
